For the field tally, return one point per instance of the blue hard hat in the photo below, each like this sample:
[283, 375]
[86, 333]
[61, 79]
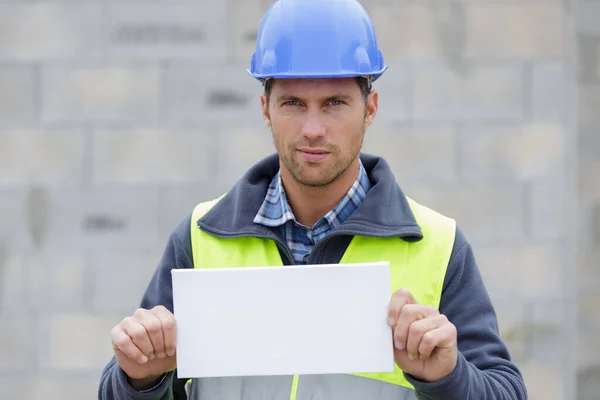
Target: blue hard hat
[316, 39]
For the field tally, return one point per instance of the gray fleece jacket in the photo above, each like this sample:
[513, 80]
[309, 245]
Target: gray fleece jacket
[484, 370]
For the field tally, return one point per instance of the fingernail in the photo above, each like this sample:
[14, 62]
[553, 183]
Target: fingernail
[391, 321]
[143, 359]
[152, 356]
[411, 357]
[161, 355]
[171, 353]
[399, 345]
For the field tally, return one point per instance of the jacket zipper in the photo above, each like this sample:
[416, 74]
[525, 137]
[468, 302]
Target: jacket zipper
[319, 246]
[287, 252]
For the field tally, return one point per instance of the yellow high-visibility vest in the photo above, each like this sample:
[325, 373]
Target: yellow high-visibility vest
[417, 266]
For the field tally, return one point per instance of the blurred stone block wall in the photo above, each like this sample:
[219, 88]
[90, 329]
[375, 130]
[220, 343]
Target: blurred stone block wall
[116, 117]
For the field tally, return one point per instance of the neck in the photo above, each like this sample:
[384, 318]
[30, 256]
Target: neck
[310, 203]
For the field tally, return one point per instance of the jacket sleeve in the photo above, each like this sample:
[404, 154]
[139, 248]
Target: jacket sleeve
[484, 370]
[113, 381]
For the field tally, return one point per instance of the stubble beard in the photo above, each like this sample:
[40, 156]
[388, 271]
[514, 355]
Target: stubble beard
[335, 168]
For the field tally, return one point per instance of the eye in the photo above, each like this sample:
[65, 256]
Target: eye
[335, 102]
[291, 103]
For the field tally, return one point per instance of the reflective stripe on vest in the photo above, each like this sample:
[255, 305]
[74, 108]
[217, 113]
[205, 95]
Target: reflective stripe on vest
[419, 267]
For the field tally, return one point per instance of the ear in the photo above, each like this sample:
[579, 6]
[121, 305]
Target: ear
[372, 107]
[265, 110]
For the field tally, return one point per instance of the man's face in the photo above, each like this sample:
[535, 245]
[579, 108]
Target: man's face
[318, 126]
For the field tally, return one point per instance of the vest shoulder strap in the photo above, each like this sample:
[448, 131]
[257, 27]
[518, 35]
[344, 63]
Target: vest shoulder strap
[195, 233]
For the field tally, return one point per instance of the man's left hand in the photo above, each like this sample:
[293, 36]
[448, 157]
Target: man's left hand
[425, 344]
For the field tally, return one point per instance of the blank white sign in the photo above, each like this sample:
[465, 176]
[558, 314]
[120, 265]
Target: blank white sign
[312, 319]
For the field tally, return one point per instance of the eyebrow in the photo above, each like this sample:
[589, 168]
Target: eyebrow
[338, 96]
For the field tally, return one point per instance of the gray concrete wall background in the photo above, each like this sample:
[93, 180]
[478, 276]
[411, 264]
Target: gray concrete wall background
[116, 117]
[588, 80]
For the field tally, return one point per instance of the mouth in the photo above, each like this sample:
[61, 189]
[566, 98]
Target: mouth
[313, 155]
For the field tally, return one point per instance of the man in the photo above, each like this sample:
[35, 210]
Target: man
[320, 200]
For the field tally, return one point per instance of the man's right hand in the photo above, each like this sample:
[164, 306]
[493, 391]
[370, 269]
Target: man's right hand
[145, 344]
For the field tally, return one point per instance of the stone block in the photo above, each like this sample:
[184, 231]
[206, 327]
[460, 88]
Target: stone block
[588, 382]
[549, 211]
[102, 92]
[509, 314]
[588, 325]
[150, 156]
[17, 94]
[587, 350]
[485, 213]
[239, 148]
[13, 387]
[588, 277]
[588, 311]
[395, 93]
[244, 21]
[589, 103]
[589, 190]
[36, 385]
[552, 323]
[415, 153]
[589, 141]
[37, 218]
[522, 271]
[481, 92]
[83, 386]
[37, 31]
[545, 381]
[51, 158]
[75, 342]
[549, 93]
[22, 221]
[17, 335]
[406, 29]
[14, 232]
[587, 17]
[212, 93]
[121, 277]
[588, 60]
[56, 280]
[109, 218]
[523, 153]
[595, 224]
[13, 284]
[536, 30]
[168, 30]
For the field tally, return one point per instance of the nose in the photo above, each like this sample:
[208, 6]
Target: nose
[313, 128]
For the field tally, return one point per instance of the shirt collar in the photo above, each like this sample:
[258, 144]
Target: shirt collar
[385, 212]
[276, 211]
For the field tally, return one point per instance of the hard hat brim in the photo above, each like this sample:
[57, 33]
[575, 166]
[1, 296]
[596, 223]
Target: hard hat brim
[316, 75]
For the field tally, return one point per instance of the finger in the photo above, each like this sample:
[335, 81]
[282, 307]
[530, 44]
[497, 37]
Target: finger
[399, 299]
[153, 327]
[444, 336]
[138, 334]
[418, 330]
[169, 328]
[410, 313]
[122, 342]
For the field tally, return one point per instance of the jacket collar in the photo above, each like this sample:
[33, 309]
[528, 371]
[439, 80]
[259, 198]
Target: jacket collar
[385, 212]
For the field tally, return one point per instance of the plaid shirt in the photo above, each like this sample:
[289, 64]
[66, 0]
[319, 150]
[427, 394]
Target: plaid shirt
[276, 211]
